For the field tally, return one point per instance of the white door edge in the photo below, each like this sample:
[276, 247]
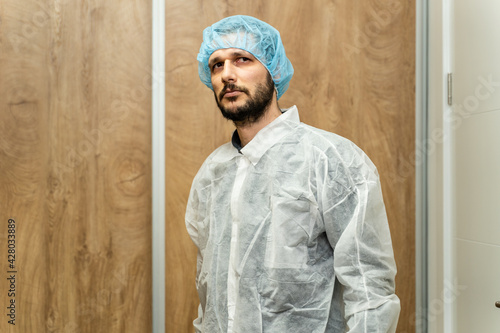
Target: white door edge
[158, 166]
[440, 311]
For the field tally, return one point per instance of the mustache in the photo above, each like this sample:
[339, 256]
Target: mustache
[231, 86]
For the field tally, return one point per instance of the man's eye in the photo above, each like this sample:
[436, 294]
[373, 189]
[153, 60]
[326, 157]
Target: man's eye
[217, 65]
[244, 59]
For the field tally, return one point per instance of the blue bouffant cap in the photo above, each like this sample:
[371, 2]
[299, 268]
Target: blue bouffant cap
[252, 35]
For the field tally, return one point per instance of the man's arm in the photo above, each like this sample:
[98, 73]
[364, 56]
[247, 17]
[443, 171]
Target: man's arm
[198, 322]
[364, 263]
[192, 220]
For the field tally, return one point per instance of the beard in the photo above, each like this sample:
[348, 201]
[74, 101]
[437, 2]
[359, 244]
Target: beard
[253, 109]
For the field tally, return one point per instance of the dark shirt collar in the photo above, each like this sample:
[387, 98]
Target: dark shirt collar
[236, 141]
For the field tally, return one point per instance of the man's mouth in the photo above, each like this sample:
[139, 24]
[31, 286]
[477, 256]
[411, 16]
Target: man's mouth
[231, 93]
[231, 90]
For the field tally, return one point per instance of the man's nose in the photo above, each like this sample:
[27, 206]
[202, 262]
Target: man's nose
[228, 72]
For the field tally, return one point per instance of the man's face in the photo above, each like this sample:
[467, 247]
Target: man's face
[243, 87]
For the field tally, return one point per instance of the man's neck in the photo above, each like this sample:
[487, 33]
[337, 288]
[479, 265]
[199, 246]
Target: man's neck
[247, 132]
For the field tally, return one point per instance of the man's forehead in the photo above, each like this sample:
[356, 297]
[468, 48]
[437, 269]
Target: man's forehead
[231, 52]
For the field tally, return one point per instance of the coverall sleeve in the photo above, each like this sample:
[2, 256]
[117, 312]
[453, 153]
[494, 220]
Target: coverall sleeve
[192, 220]
[357, 228]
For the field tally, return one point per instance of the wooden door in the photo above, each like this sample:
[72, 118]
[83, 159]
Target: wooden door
[354, 75]
[75, 202]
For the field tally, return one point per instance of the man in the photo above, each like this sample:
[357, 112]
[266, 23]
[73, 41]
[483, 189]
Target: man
[288, 219]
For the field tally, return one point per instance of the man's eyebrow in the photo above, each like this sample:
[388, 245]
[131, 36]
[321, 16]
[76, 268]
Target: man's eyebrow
[241, 54]
[234, 54]
[213, 61]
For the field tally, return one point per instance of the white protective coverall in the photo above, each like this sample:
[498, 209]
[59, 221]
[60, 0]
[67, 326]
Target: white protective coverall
[292, 236]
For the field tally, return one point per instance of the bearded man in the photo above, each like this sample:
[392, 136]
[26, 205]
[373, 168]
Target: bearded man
[289, 220]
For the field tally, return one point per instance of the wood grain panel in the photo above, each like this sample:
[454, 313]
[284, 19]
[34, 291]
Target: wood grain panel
[75, 164]
[354, 75]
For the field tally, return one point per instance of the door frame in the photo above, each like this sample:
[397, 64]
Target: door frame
[433, 160]
[439, 315]
[429, 168]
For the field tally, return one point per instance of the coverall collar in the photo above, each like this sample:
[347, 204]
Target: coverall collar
[269, 135]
